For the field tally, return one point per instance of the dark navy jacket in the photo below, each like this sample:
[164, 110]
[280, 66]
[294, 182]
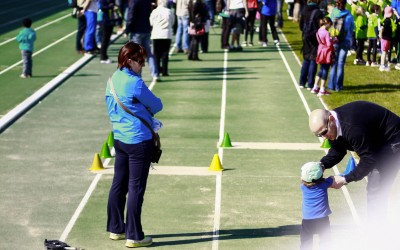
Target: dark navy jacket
[138, 20]
[372, 131]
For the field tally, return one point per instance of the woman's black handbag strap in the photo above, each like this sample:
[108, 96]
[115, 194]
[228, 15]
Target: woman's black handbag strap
[128, 111]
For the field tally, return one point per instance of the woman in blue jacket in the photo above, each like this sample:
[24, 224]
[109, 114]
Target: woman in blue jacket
[133, 145]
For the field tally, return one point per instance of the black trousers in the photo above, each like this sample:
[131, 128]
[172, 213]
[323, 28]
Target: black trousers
[105, 40]
[320, 226]
[160, 52]
[263, 28]
[80, 33]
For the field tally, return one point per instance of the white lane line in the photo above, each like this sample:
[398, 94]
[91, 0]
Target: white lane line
[39, 28]
[335, 169]
[276, 146]
[218, 180]
[79, 209]
[168, 170]
[38, 52]
[32, 15]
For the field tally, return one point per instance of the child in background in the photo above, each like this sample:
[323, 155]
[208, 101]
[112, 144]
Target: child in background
[324, 41]
[315, 206]
[26, 38]
[385, 34]
[372, 35]
[361, 26]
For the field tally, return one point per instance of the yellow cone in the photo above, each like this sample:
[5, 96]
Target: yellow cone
[97, 164]
[326, 144]
[215, 164]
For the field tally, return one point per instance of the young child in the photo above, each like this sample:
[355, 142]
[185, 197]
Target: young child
[26, 38]
[361, 25]
[315, 207]
[385, 34]
[372, 35]
[324, 42]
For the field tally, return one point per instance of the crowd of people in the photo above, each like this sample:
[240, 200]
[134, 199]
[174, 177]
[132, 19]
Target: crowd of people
[155, 24]
[352, 27]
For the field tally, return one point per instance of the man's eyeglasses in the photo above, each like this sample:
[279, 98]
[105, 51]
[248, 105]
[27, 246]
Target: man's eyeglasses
[325, 131]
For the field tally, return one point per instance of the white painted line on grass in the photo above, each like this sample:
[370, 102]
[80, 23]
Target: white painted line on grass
[38, 52]
[79, 209]
[335, 169]
[168, 170]
[32, 15]
[33, 99]
[276, 146]
[218, 181]
[39, 28]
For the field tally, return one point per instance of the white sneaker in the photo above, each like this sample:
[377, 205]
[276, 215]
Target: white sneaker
[367, 63]
[374, 64]
[355, 61]
[276, 42]
[244, 44]
[397, 66]
[147, 241]
[384, 68]
[108, 61]
[264, 44]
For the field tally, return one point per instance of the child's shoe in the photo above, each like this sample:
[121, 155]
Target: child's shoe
[374, 64]
[315, 90]
[264, 44]
[355, 61]
[397, 66]
[368, 63]
[244, 43]
[361, 62]
[324, 92]
[384, 68]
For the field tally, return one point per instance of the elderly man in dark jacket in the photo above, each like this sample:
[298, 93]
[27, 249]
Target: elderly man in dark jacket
[373, 132]
[309, 25]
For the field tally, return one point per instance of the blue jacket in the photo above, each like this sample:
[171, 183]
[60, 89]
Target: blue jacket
[315, 200]
[134, 94]
[269, 7]
[348, 25]
[26, 38]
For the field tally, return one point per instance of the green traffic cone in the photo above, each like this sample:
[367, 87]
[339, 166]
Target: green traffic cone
[110, 139]
[326, 144]
[105, 151]
[226, 143]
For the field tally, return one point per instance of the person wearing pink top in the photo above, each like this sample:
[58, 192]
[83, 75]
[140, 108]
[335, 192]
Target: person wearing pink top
[324, 43]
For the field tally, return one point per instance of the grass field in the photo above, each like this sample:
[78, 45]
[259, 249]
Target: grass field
[47, 190]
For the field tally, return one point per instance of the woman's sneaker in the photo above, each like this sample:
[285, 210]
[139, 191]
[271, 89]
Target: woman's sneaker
[321, 93]
[147, 241]
[114, 236]
[315, 90]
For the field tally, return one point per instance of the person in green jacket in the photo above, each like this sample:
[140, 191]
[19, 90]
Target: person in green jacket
[361, 25]
[26, 37]
[372, 35]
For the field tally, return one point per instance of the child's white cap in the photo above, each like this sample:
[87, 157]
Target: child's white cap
[311, 171]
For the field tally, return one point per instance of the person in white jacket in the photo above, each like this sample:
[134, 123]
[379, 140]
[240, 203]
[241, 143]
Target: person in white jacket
[162, 20]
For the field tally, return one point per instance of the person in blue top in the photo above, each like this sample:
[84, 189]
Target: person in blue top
[343, 44]
[268, 13]
[315, 206]
[26, 38]
[133, 145]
